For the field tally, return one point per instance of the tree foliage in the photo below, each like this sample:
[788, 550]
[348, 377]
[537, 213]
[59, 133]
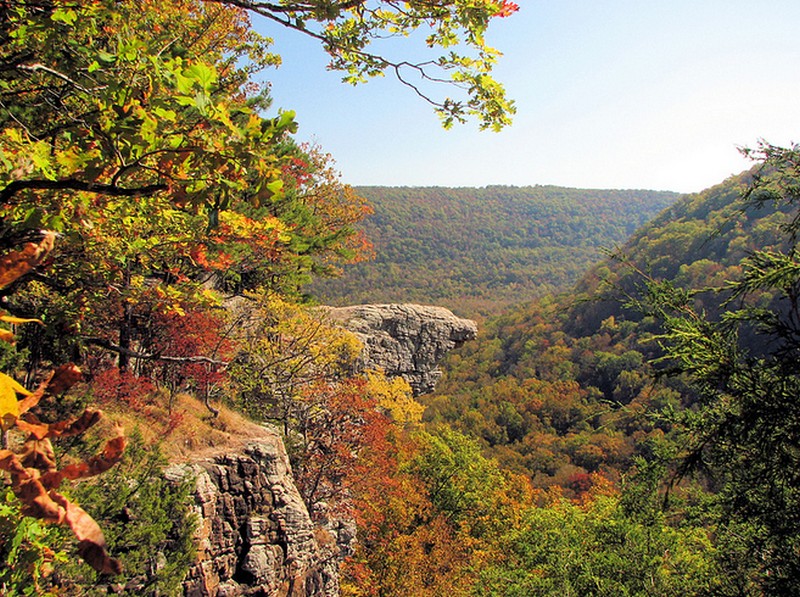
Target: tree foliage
[136, 133]
[743, 366]
[485, 249]
[355, 34]
[32, 468]
[596, 549]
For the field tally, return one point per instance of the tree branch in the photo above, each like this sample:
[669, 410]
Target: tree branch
[103, 343]
[41, 67]
[282, 16]
[79, 185]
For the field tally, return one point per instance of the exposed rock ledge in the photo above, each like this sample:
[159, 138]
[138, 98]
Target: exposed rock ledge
[255, 535]
[405, 339]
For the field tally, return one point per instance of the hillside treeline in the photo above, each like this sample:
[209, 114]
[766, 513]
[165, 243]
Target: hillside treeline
[475, 250]
[671, 367]
[637, 436]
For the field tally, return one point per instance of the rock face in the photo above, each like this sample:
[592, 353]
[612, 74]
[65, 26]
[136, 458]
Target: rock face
[255, 534]
[404, 339]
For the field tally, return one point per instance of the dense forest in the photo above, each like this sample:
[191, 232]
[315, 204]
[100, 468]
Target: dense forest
[159, 228]
[476, 250]
[663, 368]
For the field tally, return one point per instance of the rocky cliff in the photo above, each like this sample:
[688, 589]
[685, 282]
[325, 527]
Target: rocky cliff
[255, 536]
[405, 339]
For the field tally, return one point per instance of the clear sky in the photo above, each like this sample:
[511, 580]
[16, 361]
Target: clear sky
[614, 94]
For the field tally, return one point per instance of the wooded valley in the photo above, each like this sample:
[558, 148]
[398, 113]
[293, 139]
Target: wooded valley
[478, 250]
[180, 416]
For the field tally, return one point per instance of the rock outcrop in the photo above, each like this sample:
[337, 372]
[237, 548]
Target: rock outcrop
[405, 339]
[255, 535]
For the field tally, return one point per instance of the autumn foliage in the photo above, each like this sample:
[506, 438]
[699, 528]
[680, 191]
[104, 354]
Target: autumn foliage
[34, 472]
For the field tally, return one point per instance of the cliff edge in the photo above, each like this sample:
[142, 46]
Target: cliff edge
[405, 340]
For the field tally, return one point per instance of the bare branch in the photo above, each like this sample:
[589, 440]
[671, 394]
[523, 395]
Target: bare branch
[108, 345]
[41, 67]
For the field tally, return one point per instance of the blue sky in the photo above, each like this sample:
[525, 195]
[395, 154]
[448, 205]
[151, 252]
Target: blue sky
[615, 94]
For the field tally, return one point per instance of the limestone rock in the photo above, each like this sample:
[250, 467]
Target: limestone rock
[405, 339]
[255, 535]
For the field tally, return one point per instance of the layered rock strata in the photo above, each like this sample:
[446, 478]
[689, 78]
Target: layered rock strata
[255, 535]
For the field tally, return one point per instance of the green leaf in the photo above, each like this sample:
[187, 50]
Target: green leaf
[275, 187]
[203, 74]
[64, 15]
[106, 57]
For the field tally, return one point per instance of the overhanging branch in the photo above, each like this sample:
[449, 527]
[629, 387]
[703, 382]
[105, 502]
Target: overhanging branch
[79, 185]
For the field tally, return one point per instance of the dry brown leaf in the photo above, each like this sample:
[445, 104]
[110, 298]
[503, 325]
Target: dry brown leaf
[29, 402]
[15, 264]
[51, 480]
[91, 543]
[36, 501]
[75, 427]
[36, 429]
[111, 455]
[10, 462]
[58, 382]
[63, 378]
[38, 454]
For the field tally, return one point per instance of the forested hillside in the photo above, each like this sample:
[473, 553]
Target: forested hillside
[475, 250]
[635, 435]
[576, 354]
[671, 367]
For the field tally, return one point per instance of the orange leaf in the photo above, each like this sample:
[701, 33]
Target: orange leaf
[30, 401]
[36, 502]
[10, 463]
[75, 427]
[111, 454]
[39, 454]
[36, 429]
[63, 378]
[15, 264]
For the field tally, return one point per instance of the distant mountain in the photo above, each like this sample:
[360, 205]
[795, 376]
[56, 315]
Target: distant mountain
[477, 249]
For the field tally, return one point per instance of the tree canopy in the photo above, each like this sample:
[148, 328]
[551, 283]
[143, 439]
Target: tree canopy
[356, 34]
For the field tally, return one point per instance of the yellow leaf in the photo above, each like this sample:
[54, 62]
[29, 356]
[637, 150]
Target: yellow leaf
[17, 320]
[6, 336]
[9, 407]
